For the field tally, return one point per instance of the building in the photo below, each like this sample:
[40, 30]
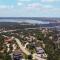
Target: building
[40, 52]
[7, 39]
[17, 55]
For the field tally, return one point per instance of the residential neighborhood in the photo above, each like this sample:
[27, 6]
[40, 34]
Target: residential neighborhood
[28, 44]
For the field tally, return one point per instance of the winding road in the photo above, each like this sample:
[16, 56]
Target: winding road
[26, 51]
[22, 47]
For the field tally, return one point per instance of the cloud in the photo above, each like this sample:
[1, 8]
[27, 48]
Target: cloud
[5, 6]
[47, 6]
[19, 3]
[33, 6]
[29, 13]
[50, 1]
[30, 8]
[23, 0]
[38, 6]
[42, 8]
[47, 0]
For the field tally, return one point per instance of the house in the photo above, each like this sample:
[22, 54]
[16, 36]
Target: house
[40, 52]
[17, 55]
[7, 39]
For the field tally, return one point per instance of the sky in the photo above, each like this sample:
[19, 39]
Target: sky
[29, 8]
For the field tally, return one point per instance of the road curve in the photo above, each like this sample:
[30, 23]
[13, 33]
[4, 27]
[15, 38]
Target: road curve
[22, 47]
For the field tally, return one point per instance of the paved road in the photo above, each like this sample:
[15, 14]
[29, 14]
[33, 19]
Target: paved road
[22, 47]
[27, 52]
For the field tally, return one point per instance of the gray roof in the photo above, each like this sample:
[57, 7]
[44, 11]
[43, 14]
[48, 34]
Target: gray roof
[39, 50]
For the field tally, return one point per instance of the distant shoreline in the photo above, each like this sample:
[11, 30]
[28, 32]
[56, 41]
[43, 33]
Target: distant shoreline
[29, 17]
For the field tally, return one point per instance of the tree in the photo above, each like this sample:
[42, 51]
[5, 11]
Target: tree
[29, 57]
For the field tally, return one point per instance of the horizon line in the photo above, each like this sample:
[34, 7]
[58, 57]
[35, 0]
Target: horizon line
[28, 17]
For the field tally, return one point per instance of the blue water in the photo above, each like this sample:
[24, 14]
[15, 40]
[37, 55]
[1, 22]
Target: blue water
[25, 20]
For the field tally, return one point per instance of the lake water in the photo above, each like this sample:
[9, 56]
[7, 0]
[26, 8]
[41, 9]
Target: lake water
[24, 20]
